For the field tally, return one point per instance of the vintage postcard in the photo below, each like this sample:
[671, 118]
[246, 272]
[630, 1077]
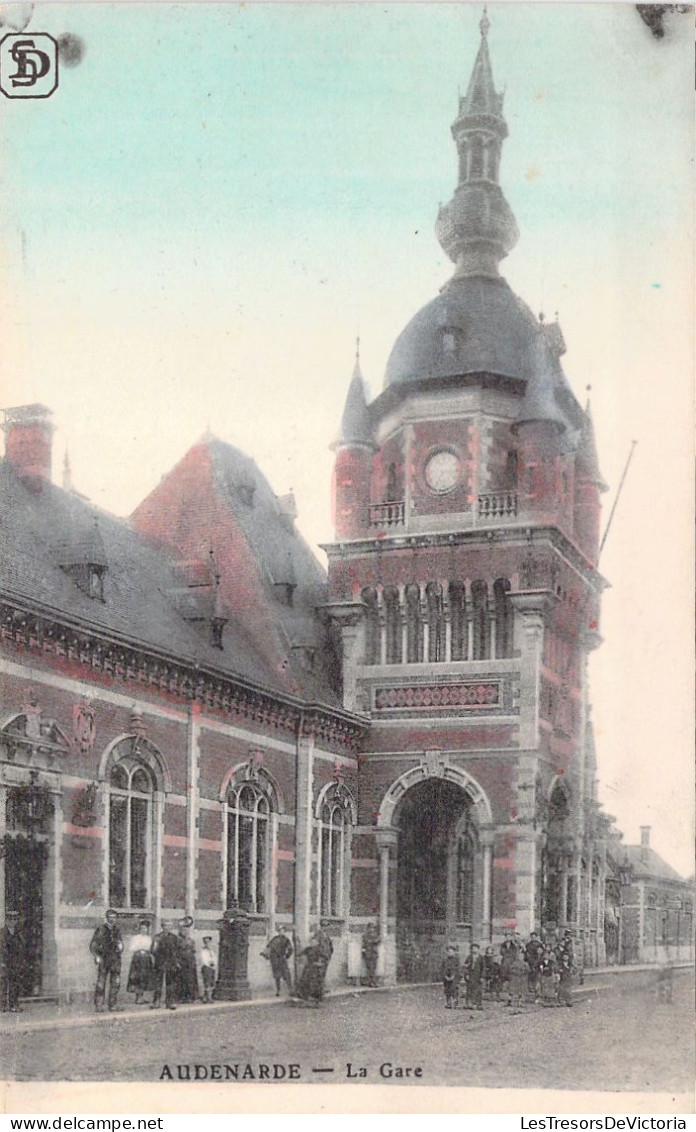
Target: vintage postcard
[346, 560]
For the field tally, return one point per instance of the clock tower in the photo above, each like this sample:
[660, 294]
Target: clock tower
[464, 583]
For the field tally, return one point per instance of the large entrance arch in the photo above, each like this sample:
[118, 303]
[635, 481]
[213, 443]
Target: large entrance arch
[441, 821]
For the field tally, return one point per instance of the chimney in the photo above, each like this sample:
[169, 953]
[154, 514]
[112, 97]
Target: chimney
[28, 444]
[644, 841]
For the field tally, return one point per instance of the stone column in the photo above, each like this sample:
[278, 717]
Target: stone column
[382, 616]
[303, 833]
[403, 613]
[423, 612]
[349, 616]
[486, 838]
[563, 911]
[386, 838]
[193, 733]
[447, 616]
[3, 831]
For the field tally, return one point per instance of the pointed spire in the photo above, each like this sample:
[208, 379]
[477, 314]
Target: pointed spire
[356, 426]
[477, 228]
[67, 473]
[539, 402]
[357, 372]
[481, 96]
[587, 450]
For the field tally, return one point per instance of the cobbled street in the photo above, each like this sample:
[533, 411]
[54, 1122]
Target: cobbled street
[616, 1038]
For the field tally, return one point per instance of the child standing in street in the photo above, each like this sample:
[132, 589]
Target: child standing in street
[208, 968]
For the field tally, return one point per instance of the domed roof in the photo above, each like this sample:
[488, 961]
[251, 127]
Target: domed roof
[476, 325]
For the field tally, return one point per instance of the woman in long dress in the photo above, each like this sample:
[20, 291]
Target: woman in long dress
[141, 972]
[188, 975]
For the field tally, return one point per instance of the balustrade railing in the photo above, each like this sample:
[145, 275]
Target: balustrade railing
[497, 505]
[388, 514]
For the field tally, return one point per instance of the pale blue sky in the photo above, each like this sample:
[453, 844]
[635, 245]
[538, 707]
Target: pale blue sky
[197, 223]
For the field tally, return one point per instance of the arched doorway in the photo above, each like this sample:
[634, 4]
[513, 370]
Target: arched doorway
[437, 881]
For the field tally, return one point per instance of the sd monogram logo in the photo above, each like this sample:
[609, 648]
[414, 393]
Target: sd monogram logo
[28, 65]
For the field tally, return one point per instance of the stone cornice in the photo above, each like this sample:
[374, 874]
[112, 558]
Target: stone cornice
[49, 632]
[517, 533]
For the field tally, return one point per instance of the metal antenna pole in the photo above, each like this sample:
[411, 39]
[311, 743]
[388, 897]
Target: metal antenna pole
[618, 493]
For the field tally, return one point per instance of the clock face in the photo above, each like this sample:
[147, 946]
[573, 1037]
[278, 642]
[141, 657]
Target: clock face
[442, 470]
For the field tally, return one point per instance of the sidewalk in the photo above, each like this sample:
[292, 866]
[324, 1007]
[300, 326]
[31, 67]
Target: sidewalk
[50, 1015]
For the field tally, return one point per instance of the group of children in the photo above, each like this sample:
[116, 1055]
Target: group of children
[533, 970]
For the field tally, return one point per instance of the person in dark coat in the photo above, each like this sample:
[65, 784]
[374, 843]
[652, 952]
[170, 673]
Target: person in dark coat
[188, 973]
[11, 963]
[491, 974]
[141, 972]
[107, 948]
[565, 981]
[325, 946]
[166, 957]
[279, 950]
[532, 955]
[310, 985]
[473, 978]
[548, 978]
[451, 976]
[370, 953]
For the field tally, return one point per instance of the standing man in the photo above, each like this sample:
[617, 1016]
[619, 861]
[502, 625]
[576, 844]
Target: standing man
[370, 952]
[166, 957]
[324, 948]
[473, 977]
[533, 953]
[107, 948]
[279, 950]
[10, 962]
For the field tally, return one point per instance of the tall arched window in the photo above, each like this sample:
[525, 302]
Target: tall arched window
[457, 600]
[466, 851]
[131, 806]
[503, 618]
[414, 624]
[392, 614]
[334, 823]
[476, 168]
[479, 594]
[372, 634]
[248, 846]
[436, 625]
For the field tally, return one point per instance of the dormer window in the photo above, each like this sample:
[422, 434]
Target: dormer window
[285, 593]
[96, 582]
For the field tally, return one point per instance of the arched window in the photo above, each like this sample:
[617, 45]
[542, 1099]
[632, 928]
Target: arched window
[511, 470]
[436, 626]
[479, 594]
[457, 600]
[248, 846]
[334, 823]
[372, 635]
[392, 614]
[466, 851]
[414, 625]
[476, 168]
[503, 618]
[131, 824]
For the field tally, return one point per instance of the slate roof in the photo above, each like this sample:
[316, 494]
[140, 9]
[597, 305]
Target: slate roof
[37, 531]
[648, 863]
[284, 559]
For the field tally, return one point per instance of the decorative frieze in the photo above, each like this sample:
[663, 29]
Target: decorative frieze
[41, 632]
[462, 694]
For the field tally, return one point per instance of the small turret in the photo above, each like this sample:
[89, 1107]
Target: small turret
[539, 427]
[588, 486]
[354, 450]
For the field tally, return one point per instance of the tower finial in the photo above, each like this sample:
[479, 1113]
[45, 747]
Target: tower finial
[357, 348]
[485, 23]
